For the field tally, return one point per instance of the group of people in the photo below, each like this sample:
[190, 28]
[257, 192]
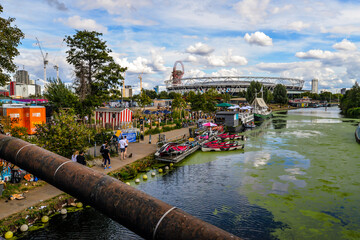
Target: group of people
[105, 152]
[78, 157]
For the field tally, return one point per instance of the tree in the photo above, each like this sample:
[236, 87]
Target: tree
[280, 94]
[151, 93]
[143, 100]
[163, 95]
[10, 37]
[225, 97]
[63, 135]
[60, 96]
[178, 102]
[252, 90]
[97, 75]
[350, 102]
[172, 95]
[196, 101]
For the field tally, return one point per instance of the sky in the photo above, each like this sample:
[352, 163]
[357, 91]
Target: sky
[278, 38]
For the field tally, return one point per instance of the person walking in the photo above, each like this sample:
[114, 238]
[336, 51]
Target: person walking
[73, 157]
[126, 145]
[106, 156]
[80, 158]
[122, 148]
[102, 148]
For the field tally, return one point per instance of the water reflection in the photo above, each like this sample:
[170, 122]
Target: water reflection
[279, 122]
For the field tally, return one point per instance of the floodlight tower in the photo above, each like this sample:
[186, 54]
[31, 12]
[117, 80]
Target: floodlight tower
[45, 61]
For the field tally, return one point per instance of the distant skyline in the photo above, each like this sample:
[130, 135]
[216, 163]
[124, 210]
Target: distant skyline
[296, 39]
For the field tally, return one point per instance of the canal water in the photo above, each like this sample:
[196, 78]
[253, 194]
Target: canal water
[298, 178]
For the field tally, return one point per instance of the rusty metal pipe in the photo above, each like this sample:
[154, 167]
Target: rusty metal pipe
[143, 214]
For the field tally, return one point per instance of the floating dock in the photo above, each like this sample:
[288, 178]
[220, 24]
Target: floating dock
[175, 158]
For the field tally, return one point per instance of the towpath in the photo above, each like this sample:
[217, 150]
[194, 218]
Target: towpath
[37, 195]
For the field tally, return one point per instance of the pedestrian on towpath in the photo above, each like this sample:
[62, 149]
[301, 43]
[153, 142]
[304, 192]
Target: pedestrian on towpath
[106, 156]
[80, 158]
[122, 143]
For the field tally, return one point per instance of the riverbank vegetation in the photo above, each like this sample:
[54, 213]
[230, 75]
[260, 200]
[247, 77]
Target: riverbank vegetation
[350, 103]
[32, 215]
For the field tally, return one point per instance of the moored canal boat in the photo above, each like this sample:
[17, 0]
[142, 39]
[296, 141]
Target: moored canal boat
[216, 146]
[261, 110]
[357, 133]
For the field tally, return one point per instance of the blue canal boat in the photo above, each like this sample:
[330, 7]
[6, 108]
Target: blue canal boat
[357, 133]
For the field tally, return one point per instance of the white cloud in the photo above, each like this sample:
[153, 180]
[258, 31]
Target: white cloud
[200, 49]
[252, 10]
[79, 23]
[227, 72]
[236, 59]
[216, 61]
[315, 54]
[139, 65]
[258, 38]
[194, 73]
[345, 45]
[298, 26]
[157, 61]
[191, 58]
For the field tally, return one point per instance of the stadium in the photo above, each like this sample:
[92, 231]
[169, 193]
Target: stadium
[228, 84]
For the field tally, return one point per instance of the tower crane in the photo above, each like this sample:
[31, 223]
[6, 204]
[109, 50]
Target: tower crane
[45, 61]
[56, 67]
[140, 77]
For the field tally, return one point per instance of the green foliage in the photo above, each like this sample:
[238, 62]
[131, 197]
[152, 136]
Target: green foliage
[151, 93]
[19, 132]
[252, 90]
[350, 103]
[172, 95]
[178, 102]
[280, 94]
[163, 95]
[205, 102]
[143, 100]
[10, 37]
[97, 75]
[60, 96]
[225, 97]
[63, 135]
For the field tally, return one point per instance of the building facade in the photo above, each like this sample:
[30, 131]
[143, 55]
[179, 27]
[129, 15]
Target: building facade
[314, 86]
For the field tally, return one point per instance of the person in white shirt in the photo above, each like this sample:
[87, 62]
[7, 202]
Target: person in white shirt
[122, 144]
[126, 145]
[73, 157]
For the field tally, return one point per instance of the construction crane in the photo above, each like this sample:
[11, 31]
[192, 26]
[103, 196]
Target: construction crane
[140, 77]
[56, 67]
[45, 61]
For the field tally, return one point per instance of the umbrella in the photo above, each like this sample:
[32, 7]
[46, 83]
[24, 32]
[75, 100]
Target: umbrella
[147, 112]
[224, 105]
[209, 124]
[234, 107]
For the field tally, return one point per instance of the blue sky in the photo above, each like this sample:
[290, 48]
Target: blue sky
[298, 39]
